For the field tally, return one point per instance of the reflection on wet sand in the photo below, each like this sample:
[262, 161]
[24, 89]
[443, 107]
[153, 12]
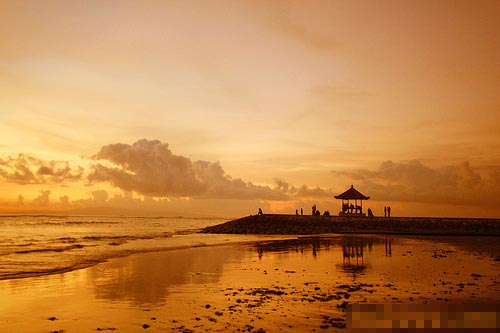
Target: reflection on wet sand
[353, 248]
[146, 279]
[388, 247]
[302, 245]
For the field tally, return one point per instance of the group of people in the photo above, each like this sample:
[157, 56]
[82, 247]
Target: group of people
[316, 212]
[351, 209]
[345, 208]
[387, 211]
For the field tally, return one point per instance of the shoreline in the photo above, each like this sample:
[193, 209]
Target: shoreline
[277, 224]
[128, 253]
[293, 286]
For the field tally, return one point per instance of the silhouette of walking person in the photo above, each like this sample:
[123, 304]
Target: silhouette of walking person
[301, 211]
[388, 211]
[260, 211]
[385, 211]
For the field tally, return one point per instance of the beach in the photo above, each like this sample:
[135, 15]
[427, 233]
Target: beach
[297, 284]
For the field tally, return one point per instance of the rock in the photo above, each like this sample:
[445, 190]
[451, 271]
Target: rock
[339, 324]
[343, 305]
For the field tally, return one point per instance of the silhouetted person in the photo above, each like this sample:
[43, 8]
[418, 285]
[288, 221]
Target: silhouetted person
[301, 211]
[385, 211]
[296, 212]
[370, 213]
[388, 211]
[260, 211]
[351, 208]
[314, 209]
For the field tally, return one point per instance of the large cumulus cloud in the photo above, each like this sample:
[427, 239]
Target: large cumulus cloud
[149, 167]
[25, 169]
[414, 181]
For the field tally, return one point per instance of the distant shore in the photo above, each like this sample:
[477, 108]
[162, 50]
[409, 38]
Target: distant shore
[308, 225]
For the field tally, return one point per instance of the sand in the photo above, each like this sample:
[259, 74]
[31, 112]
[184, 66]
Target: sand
[298, 285]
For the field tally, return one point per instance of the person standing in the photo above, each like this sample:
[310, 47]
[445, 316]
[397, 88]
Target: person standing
[388, 211]
[301, 211]
[385, 211]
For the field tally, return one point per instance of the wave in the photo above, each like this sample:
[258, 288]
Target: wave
[90, 241]
[72, 223]
[56, 216]
[102, 257]
[49, 271]
[125, 238]
[51, 249]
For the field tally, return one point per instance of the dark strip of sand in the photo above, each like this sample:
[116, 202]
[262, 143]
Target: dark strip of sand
[308, 225]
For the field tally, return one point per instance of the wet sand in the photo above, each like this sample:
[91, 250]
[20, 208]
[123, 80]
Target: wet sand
[298, 285]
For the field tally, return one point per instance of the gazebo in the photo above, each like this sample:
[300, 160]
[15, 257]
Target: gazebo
[348, 208]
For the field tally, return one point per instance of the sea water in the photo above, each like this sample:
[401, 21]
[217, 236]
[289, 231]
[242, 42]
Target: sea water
[39, 245]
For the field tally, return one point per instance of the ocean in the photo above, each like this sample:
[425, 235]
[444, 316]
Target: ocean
[33, 245]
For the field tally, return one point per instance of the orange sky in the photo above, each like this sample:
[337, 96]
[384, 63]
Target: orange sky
[222, 107]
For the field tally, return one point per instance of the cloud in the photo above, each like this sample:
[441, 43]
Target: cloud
[43, 199]
[25, 169]
[65, 202]
[414, 181]
[149, 167]
[300, 192]
[127, 203]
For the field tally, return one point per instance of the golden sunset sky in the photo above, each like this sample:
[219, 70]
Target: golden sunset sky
[217, 108]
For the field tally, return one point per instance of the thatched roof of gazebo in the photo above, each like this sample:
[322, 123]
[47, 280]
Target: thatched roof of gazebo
[352, 194]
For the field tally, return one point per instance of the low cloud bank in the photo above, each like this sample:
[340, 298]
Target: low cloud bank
[414, 181]
[25, 169]
[149, 167]
[302, 191]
